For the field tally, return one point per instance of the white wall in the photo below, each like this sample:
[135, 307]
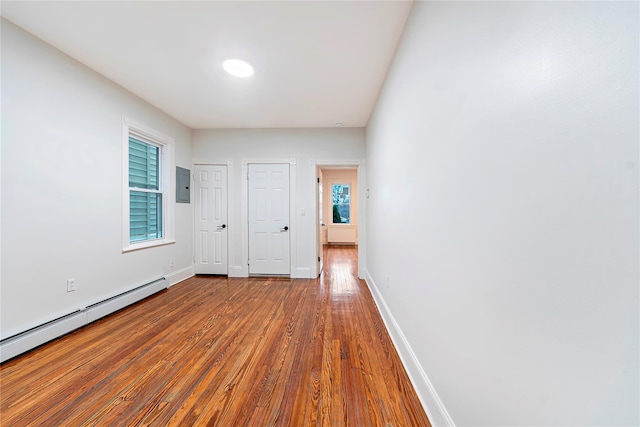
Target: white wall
[502, 163]
[306, 148]
[62, 186]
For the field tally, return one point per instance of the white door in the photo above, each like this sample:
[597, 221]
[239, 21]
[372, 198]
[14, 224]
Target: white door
[269, 219]
[210, 192]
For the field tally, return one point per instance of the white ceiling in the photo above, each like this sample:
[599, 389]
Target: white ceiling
[316, 63]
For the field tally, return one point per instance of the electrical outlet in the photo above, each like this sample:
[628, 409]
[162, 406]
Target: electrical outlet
[71, 285]
[171, 264]
[387, 280]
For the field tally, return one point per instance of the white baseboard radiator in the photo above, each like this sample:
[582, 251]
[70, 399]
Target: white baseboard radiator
[342, 235]
[20, 343]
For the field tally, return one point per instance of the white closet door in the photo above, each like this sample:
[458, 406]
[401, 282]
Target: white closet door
[269, 244]
[210, 219]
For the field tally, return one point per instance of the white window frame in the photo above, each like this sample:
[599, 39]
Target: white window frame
[166, 145]
[350, 184]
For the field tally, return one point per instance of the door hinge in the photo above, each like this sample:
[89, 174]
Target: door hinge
[318, 259]
[318, 180]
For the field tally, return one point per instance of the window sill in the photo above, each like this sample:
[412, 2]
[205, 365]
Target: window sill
[147, 244]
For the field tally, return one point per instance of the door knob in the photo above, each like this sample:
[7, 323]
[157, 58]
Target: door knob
[285, 228]
[221, 227]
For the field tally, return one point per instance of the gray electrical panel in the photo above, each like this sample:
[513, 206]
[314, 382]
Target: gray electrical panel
[183, 180]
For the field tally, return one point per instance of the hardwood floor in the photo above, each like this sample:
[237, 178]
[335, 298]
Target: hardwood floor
[227, 352]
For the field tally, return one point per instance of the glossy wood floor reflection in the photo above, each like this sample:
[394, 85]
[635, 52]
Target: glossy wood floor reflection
[226, 352]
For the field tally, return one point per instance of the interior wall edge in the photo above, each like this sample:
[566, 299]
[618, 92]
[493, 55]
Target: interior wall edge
[302, 273]
[238, 271]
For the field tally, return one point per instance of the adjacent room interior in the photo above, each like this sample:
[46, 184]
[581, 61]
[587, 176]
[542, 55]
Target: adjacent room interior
[436, 201]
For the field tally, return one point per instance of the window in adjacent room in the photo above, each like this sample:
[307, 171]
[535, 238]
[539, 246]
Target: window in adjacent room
[341, 195]
[148, 213]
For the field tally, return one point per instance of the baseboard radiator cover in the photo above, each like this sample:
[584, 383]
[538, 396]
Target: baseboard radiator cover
[342, 235]
[113, 304]
[17, 344]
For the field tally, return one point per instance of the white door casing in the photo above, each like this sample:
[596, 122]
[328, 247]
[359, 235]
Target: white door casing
[268, 218]
[210, 194]
[319, 222]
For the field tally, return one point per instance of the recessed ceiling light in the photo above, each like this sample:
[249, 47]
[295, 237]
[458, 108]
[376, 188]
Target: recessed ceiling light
[237, 68]
[338, 125]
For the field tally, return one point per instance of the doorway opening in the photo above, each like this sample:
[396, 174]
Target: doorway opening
[337, 208]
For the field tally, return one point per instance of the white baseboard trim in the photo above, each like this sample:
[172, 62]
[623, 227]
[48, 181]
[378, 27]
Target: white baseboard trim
[238, 271]
[302, 273]
[437, 413]
[180, 275]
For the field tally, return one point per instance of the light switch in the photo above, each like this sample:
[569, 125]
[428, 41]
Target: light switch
[303, 212]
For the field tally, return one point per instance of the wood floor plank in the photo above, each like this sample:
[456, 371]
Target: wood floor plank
[224, 352]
